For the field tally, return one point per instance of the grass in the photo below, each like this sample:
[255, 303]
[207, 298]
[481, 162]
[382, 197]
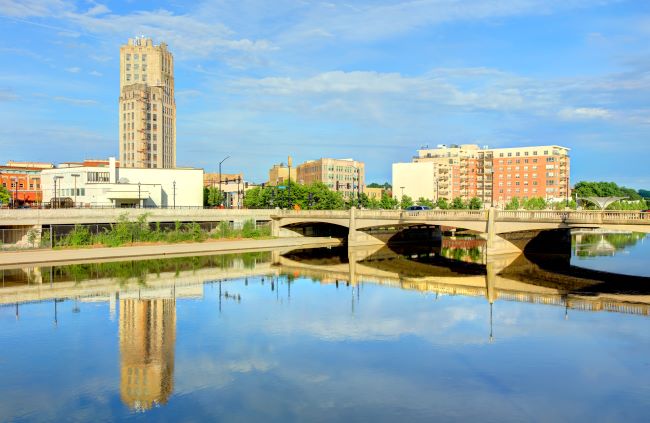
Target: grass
[127, 231]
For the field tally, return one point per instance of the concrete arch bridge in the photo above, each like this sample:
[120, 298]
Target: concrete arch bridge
[506, 231]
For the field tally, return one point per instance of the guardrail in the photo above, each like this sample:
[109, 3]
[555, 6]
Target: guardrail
[554, 216]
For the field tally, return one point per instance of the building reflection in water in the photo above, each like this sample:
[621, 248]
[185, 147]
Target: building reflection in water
[147, 340]
[147, 330]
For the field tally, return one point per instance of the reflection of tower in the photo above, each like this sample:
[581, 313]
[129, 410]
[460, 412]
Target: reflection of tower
[147, 340]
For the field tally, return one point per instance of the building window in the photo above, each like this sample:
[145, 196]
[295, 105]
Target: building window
[144, 57]
[97, 177]
[128, 76]
[128, 56]
[135, 57]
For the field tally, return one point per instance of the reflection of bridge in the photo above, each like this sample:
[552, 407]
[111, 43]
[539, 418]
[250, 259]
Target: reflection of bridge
[507, 277]
[382, 266]
[497, 225]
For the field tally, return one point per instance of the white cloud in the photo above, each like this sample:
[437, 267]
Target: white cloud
[77, 101]
[95, 73]
[32, 8]
[585, 113]
[490, 89]
[73, 69]
[378, 19]
[98, 9]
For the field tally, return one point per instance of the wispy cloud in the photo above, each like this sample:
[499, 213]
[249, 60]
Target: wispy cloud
[76, 101]
[585, 113]
[7, 95]
[365, 20]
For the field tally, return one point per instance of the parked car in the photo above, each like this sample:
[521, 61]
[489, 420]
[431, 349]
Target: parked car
[414, 208]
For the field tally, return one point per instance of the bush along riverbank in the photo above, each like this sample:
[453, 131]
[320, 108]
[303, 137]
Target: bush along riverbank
[126, 232]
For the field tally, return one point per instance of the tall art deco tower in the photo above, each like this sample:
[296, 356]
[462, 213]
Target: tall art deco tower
[147, 106]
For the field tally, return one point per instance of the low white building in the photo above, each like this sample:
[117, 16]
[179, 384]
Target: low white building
[112, 186]
[416, 180]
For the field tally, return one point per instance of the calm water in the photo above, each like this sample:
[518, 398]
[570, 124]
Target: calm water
[305, 336]
[619, 253]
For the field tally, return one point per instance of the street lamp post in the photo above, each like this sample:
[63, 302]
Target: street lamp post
[402, 188]
[75, 176]
[220, 191]
[174, 194]
[56, 192]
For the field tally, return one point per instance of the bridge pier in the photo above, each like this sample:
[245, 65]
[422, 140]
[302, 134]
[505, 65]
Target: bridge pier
[359, 238]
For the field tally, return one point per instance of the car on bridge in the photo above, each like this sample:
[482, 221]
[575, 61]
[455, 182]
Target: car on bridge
[417, 208]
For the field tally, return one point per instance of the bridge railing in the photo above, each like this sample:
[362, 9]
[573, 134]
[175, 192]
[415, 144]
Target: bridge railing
[552, 216]
[337, 214]
[574, 216]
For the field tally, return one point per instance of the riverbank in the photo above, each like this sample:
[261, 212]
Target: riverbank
[15, 259]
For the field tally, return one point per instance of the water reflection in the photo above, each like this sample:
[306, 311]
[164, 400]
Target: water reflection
[296, 345]
[147, 341]
[596, 243]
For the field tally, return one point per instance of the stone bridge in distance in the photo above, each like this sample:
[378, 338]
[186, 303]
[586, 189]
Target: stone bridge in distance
[505, 231]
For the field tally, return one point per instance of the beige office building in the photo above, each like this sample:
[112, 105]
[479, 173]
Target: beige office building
[346, 176]
[147, 109]
[279, 174]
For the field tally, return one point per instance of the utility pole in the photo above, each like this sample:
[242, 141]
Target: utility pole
[289, 186]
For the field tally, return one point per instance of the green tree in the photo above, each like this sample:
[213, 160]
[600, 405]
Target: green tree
[513, 204]
[215, 197]
[405, 202]
[458, 203]
[425, 202]
[387, 202]
[4, 196]
[374, 204]
[475, 203]
[385, 185]
[534, 203]
[644, 193]
[604, 189]
[442, 203]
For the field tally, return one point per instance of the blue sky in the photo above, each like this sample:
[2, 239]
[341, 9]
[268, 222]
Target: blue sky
[373, 79]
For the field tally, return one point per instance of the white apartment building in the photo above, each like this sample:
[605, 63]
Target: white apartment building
[112, 186]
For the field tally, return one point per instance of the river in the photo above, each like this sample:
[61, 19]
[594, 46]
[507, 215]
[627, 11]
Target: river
[408, 334]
